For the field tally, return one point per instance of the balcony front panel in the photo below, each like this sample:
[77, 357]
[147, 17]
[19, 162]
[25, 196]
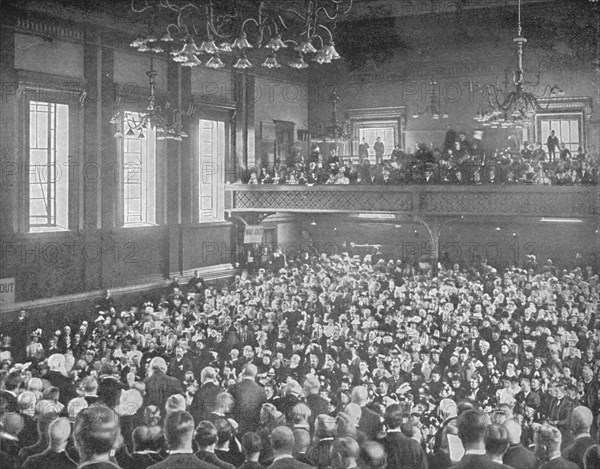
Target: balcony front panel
[438, 200]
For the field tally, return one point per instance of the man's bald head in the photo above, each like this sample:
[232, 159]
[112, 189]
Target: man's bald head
[59, 432]
[360, 395]
[249, 371]
[581, 420]
[354, 412]
[514, 431]
[373, 455]
[282, 440]
[301, 441]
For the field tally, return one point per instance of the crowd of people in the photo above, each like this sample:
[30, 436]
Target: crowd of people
[457, 161]
[335, 361]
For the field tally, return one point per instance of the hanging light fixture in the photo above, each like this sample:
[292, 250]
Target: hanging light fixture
[435, 107]
[269, 24]
[334, 132]
[165, 121]
[514, 104]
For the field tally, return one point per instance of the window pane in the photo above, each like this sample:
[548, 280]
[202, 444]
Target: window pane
[139, 180]
[48, 164]
[211, 157]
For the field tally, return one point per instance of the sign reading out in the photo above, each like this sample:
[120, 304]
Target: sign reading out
[7, 291]
[253, 234]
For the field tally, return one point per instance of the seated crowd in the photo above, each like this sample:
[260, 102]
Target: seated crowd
[457, 162]
[331, 362]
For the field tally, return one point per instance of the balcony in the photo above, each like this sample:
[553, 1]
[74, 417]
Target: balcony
[418, 200]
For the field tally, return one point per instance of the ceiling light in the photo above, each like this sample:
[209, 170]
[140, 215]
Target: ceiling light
[246, 26]
[514, 103]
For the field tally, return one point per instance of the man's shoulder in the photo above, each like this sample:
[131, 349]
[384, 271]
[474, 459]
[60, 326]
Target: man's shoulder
[210, 388]
[559, 463]
[479, 462]
[580, 445]
[182, 461]
[371, 414]
[289, 463]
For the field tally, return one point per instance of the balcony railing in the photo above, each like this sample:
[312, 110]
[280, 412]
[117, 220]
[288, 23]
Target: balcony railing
[430, 200]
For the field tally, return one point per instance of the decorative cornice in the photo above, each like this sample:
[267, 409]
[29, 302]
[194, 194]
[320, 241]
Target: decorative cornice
[566, 104]
[377, 113]
[57, 88]
[48, 29]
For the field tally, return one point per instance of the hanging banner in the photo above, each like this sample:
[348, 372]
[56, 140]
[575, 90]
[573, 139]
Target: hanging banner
[253, 234]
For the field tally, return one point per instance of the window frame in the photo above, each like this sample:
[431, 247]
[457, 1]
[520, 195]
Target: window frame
[52, 89]
[212, 113]
[138, 103]
[565, 106]
[562, 116]
[159, 150]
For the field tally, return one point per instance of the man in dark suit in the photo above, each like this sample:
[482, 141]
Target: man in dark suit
[581, 422]
[58, 377]
[248, 396]
[8, 396]
[55, 456]
[550, 439]
[205, 398]
[560, 414]
[471, 431]
[517, 455]
[282, 442]
[496, 442]
[206, 438]
[370, 422]
[159, 386]
[179, 431]
[402, 451]
[315, 402]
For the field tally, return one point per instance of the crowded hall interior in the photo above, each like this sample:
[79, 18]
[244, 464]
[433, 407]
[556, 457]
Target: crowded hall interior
[294, 234]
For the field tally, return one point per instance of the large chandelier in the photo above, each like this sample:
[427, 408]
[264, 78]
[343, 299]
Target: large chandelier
[163, 119]
[334, 132]
[202, 31]
[514, 104]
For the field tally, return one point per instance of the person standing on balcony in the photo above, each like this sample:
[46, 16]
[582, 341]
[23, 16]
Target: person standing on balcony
[363, 152]
[552, 143]
[379, 149]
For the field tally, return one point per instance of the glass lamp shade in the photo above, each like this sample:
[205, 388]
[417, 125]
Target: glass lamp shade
[243, 63]
[225, 47]
[191, 61]
[241, 42]
[331, 52]
[179, 58]
[189, 49]
[215, 63]
[321, 58]
[271, 62]
[167, 37]
[306, 48]
[138, 42]
[298, 63]
[276, 43]
[208, 47]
